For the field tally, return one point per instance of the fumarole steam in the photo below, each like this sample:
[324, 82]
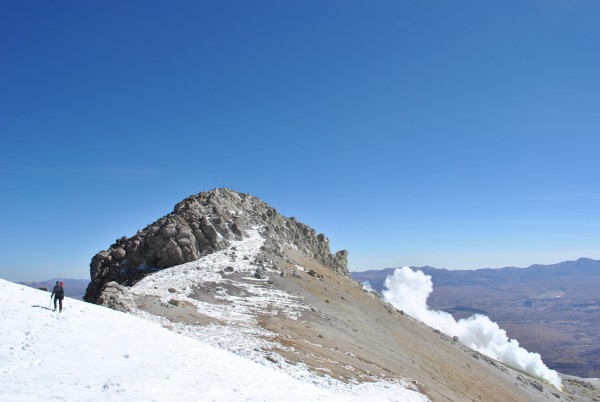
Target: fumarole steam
[408, 290]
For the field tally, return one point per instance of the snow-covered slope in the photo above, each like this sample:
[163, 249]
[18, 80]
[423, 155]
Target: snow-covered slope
[91, 353]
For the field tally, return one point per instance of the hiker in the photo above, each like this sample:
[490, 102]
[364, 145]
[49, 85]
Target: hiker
[59, 294]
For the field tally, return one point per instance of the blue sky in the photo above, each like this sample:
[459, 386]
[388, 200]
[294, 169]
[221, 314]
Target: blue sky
[456, 134]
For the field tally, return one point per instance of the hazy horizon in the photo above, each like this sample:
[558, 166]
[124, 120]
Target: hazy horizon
[352, 270]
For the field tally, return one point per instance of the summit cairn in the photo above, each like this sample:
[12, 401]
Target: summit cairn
[200, 225]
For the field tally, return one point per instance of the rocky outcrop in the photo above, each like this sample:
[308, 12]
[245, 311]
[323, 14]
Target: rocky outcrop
[199, 225]
[115, 297]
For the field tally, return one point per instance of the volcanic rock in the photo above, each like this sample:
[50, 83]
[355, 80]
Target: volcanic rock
[200, 225]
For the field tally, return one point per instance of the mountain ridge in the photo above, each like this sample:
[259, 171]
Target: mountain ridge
[444, 276]
[198, 226]
[270, 290]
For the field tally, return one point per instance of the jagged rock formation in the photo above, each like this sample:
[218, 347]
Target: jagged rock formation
[200, 225]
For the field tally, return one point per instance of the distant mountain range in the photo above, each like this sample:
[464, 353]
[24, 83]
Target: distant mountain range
[551, 309]
[582, 267]
[74, 288]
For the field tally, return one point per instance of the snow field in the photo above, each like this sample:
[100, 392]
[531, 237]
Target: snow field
[91, 353]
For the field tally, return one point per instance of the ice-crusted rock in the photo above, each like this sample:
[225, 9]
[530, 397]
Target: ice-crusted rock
[114, 296]
[200, 225]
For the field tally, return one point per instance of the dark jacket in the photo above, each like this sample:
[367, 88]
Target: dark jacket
[58, 292]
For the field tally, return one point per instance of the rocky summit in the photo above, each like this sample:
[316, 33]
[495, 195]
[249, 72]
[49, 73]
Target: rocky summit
[227, 269]
[200, 225]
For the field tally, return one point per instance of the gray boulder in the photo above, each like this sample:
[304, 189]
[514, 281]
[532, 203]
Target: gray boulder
[118, 254]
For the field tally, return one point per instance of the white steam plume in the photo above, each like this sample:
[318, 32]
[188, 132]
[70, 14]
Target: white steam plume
[366, 285]
[408, 290]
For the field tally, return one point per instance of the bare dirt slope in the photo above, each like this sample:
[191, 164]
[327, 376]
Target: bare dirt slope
[353, 332]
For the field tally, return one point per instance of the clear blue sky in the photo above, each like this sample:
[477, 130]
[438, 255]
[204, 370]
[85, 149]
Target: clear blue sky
[457, 134]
